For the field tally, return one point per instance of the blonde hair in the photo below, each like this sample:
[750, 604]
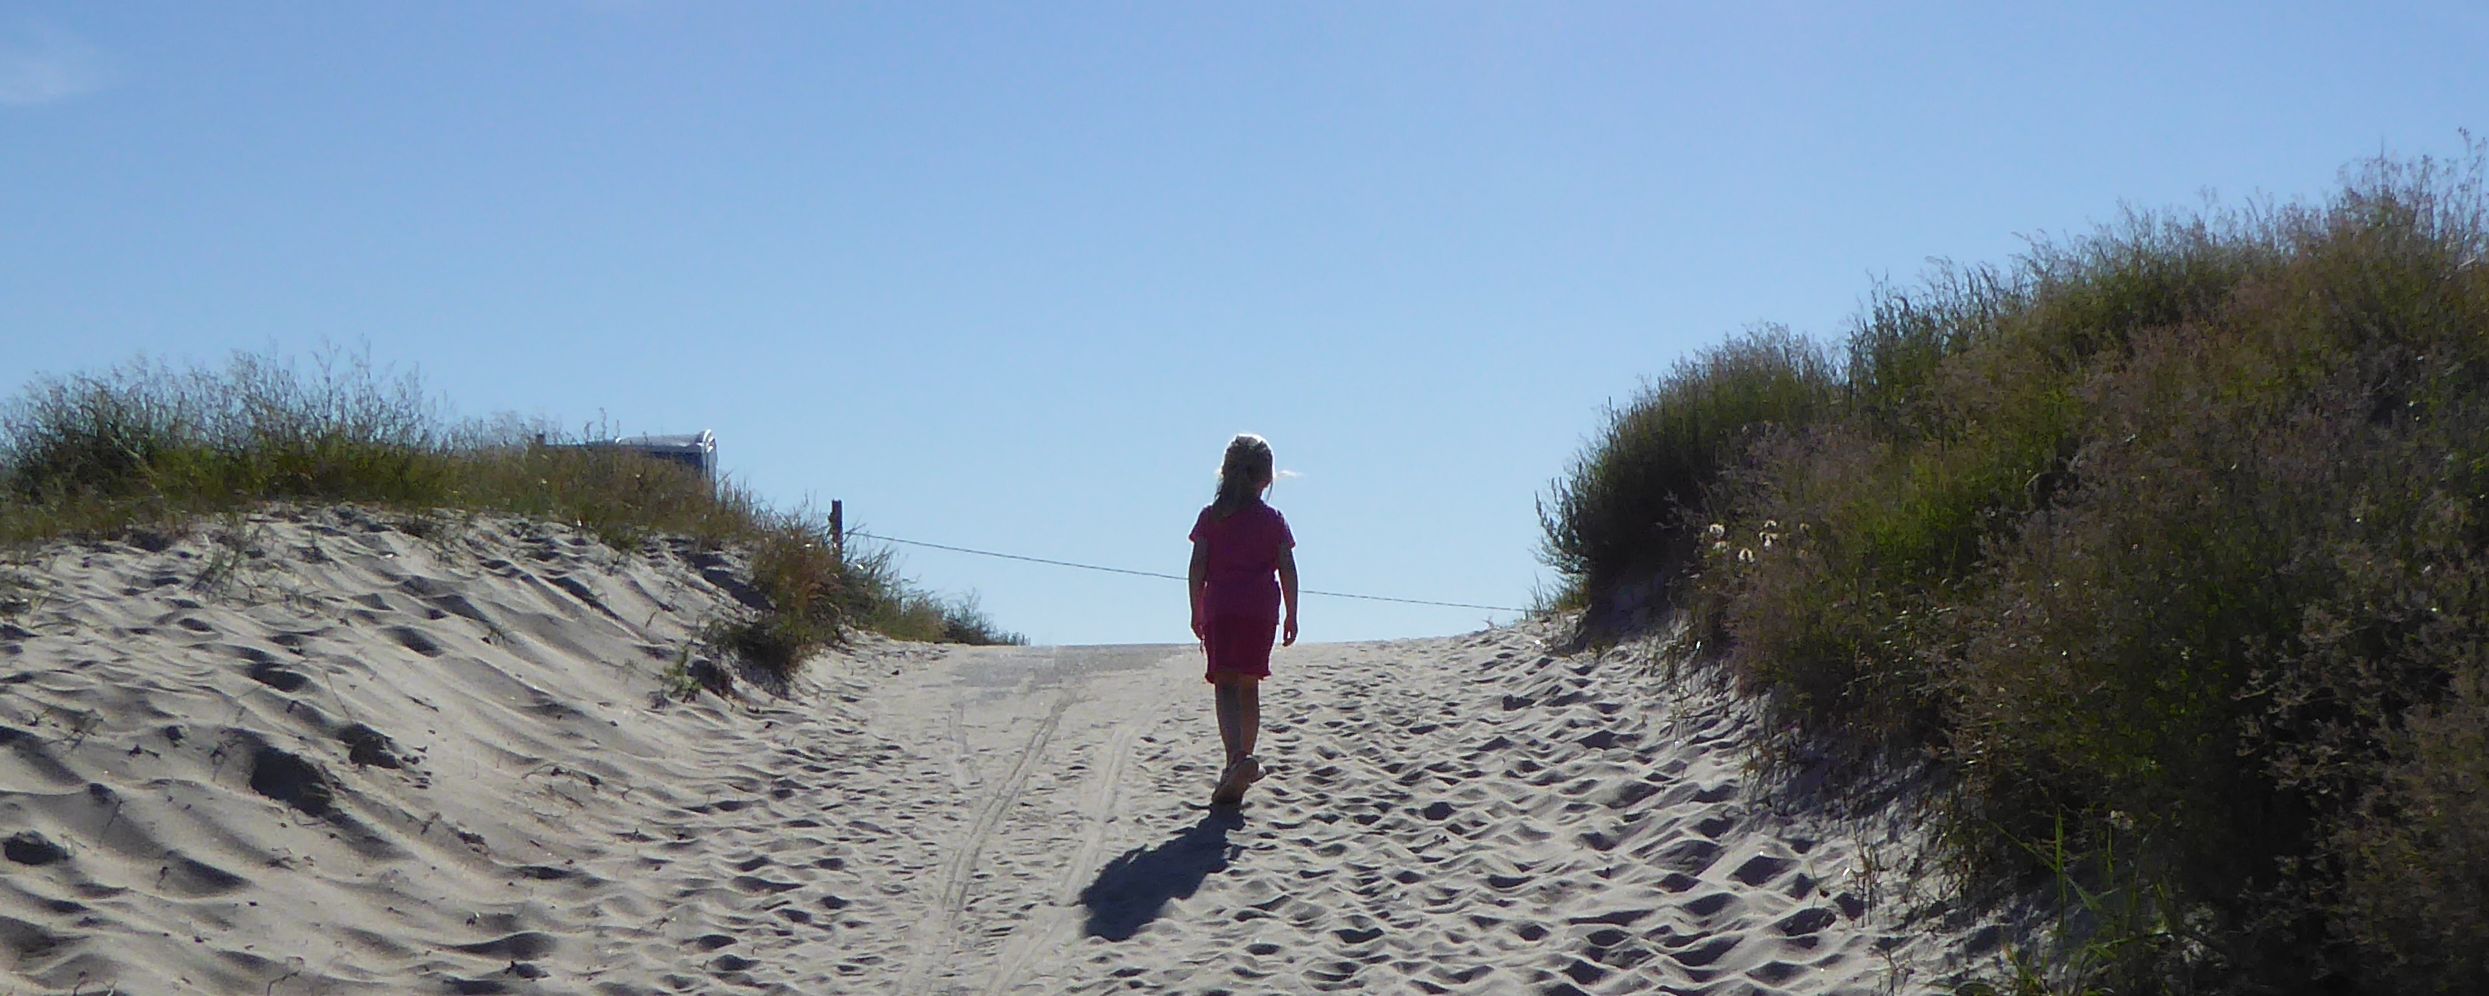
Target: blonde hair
[1244, 472]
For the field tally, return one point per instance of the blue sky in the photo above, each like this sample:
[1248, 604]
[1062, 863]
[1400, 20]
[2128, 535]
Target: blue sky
[1008, 276]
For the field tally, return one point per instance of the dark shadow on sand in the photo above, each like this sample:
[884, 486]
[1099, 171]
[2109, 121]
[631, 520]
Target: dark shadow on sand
[1134, 888]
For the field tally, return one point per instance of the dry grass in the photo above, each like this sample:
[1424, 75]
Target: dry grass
[150, 448]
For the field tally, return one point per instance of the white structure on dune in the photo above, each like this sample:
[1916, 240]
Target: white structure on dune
[697, 451]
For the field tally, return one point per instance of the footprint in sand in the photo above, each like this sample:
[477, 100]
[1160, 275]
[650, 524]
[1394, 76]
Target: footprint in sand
[1760, 869]
[277, 676]
[414, 639]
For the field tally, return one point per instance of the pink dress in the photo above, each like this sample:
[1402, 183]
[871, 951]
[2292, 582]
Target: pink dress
[1240, 601]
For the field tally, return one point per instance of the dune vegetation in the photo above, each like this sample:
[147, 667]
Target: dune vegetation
[149, 450]
[2169, 544]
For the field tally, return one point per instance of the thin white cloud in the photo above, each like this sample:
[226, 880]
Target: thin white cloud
[43, 65]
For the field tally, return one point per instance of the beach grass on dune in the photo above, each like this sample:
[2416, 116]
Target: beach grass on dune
[2169, 542]
[152, 448]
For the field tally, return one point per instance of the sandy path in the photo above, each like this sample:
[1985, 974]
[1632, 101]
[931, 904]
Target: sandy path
[1470, 814]
[320, 754]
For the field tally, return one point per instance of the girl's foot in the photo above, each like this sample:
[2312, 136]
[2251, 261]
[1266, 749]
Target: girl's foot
[1245, 771]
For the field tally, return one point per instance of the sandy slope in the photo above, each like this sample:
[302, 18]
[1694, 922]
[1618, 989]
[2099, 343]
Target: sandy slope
[358, 761]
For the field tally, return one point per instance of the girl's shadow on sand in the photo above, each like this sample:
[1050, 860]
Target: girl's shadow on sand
[1132, 889]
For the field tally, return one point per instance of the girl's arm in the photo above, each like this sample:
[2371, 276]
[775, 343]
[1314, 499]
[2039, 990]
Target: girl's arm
[1195, 578]
[1287, 595]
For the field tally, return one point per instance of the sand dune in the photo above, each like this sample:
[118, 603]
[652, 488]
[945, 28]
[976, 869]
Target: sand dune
[317, 753]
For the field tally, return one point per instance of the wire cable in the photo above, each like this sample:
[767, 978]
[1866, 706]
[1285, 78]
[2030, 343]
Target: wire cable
[1170, 577]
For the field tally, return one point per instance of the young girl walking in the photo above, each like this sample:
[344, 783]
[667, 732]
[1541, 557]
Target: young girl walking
[1244, 570]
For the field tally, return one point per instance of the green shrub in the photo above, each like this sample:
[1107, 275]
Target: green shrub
[1897, 352]
[2087, 298]
[1630, 504]
[2413, 900]
[2172, 543]
[2093, 667]
[1840, 539]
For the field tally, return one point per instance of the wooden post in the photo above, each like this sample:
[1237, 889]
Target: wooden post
[838, 530]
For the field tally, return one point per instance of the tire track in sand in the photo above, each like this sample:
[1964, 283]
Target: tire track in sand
[1097, 805]
[939, 938]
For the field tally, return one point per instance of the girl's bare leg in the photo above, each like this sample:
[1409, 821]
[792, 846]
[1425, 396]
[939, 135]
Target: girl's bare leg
[1248, 718]
[1231, 718]
[1240, 724]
